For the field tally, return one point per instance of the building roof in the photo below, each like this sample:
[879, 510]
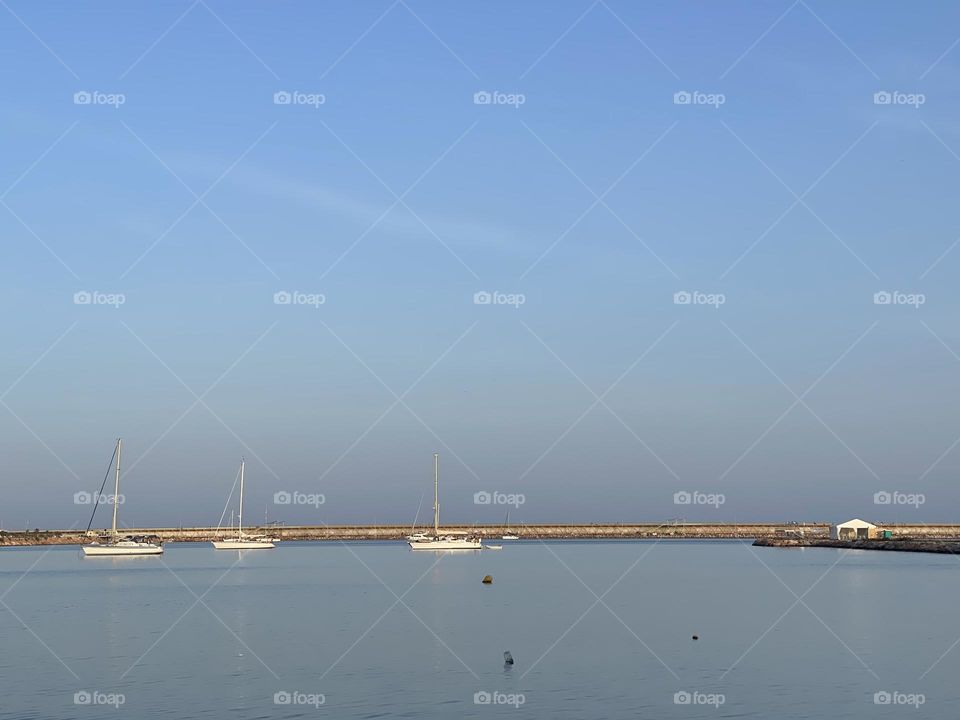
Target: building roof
[856, 523]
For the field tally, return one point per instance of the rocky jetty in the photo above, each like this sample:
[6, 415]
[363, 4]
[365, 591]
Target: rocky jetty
[946, 547]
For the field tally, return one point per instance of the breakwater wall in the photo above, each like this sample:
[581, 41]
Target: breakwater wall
[786, 534]
[947, 547]
[399, 532]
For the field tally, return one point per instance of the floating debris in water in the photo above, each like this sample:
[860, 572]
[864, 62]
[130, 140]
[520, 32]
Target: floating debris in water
[507, 658]
[487, 579]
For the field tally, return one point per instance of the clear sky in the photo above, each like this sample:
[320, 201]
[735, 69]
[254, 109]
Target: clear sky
[782, 196]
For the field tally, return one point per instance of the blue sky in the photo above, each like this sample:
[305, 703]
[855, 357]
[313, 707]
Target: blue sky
[786, 189]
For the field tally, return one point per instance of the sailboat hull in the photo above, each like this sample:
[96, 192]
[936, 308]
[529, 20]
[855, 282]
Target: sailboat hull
[242, 544]
[447, 545]
[142, 549]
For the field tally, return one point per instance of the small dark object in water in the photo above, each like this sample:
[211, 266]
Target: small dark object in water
[487, 579]
[696, 637]
[507, 658]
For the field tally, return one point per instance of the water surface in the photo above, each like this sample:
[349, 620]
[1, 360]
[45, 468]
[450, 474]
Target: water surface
[597, 629]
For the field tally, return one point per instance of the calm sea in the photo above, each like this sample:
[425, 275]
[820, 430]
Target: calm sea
[368, 630]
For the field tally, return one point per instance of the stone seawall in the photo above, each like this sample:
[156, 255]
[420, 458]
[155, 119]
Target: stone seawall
[399, 532]
[783, 535]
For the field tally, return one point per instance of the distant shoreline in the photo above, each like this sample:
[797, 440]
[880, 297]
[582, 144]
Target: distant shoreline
[781, 534]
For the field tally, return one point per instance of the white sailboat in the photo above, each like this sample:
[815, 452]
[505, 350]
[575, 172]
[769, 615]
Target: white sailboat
[241, 541]
[506, 526]
[451, 540]
[417, 536]
[129, 545]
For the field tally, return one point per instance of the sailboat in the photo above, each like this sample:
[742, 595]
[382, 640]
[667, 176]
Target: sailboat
[241, 541]
[417, 536]
[451, 540]
[130, 544]
[506, 526]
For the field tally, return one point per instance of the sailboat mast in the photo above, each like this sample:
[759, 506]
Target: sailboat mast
[240, 521]
[436, 494]
[116, 487]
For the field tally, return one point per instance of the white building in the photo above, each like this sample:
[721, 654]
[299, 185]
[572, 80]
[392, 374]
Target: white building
[855, 529]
